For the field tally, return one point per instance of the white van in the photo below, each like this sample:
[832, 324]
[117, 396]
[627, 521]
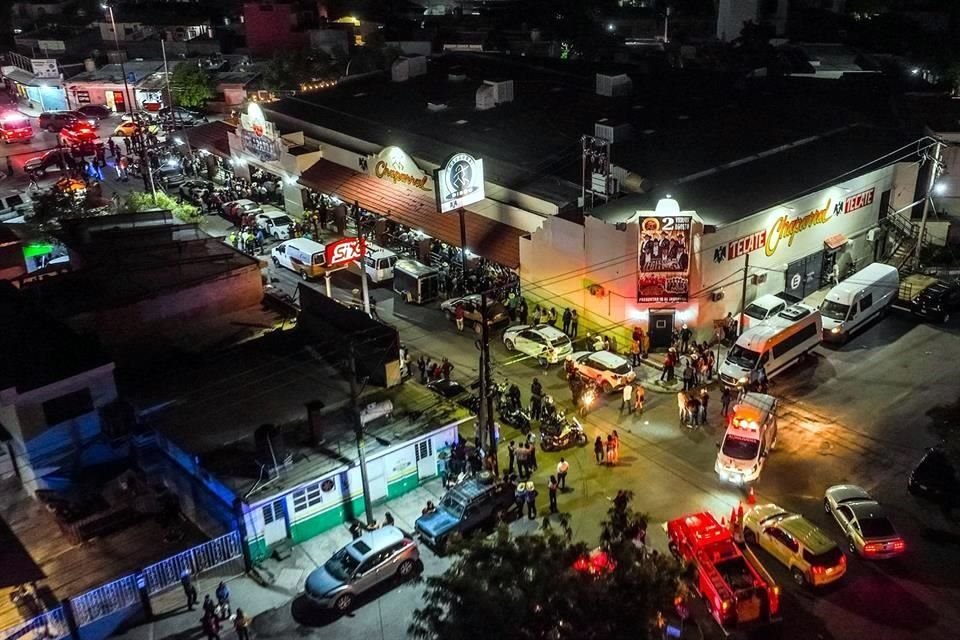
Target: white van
[379, 263]
[300, 255]
[750, 437]
[850, 304]
[772, 345]
[761, 309]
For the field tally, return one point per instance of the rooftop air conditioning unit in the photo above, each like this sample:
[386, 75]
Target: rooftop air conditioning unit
[486, 98]
[618, 85]
[716, 295]
[612, 131]
[502, 90]
[417, 66]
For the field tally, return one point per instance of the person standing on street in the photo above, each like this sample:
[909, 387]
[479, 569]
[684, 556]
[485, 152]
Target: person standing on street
[211, 626]
[574, 323]
[520, 497]
[223, 600]
[635, 348]
[688, 377]
[552, 490]
[685, 335]
[531, 455]
[522, 310]
[704, 402]
[522, 469]
[512, 453]
[458, 315]
[563, 467]
[536, 399]
[552, 317]
[682, 406]
[627, 401]
[242, 625]
[531, 497]
[639, 396]
[726, 397]
[567, 317]
[598, 450]
[611, 451]
[445, 368]
[189, 589]
[209, 607]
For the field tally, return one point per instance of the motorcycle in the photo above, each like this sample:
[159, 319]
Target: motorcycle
[571, 434]
[515, 417]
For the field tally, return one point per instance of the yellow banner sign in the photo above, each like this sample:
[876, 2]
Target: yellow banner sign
[785, 228]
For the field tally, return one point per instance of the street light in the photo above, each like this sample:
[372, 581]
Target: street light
[116, 44]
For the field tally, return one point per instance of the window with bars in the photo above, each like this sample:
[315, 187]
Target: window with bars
[424, 450]
[307, 497]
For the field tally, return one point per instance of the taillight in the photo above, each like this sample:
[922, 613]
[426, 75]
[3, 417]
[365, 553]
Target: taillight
[871, 547]
[726, 605]
[773, 595]
[898, 545]
[817, 570]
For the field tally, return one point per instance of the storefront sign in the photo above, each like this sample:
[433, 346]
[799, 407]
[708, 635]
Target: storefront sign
[395, 165]
[343, 251]
[45, 68]
[740, 246]
[258, 137]
[459, 182]
[664, 257]
[858, 201]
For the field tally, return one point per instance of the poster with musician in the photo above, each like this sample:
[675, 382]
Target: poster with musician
[664, 259]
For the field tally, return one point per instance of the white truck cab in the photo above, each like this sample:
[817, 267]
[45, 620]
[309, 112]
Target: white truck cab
[750, 437]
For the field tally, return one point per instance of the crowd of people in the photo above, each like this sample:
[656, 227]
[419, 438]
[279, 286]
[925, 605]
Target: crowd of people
[215, 613]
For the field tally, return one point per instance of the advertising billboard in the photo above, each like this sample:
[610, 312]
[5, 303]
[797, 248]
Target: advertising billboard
[459, 182]
[343, 251]
[664, 259]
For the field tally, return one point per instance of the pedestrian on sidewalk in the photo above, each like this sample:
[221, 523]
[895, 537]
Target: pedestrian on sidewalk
[445, 368]
[552, 491]
[422, 368]
[635, 348]
[512, 453]
[113, 147]
[531, 455]
[685, 335]
[189, 589]
[598, 450]
[726, 397]
[616, 446]
[611, 451]
[520, 498]
[522, 469]
[638, 397]
[627, 399]
[574, 323]
[531, 498]
[458, 315]
[522, 310]
[688, 375]
[704, 402]
[562, 468]
[242, 625]
[552, 317]
[682, 406]
[567, 317]
[223, 600]
[211, 626]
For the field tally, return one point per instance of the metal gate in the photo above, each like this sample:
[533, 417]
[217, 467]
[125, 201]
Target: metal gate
[803, 276]
[166, 573]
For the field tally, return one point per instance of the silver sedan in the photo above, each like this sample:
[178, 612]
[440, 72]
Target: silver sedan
[864, 524]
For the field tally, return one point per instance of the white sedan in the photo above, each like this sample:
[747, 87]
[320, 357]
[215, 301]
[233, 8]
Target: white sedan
[865, 525]
[533, 340]
[275, 223]
[608, 370]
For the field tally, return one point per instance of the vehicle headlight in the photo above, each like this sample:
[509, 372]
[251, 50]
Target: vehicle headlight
[743, 380]
[837, 329]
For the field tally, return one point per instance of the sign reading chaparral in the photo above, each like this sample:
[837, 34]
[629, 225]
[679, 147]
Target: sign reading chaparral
[459, 182]
[393, 164]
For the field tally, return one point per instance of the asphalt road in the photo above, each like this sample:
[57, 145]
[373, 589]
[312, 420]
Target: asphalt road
[854, 414]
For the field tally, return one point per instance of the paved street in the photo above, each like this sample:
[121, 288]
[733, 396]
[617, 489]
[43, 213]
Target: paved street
[854, 414]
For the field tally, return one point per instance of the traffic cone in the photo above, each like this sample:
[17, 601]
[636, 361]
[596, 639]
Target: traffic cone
[733, 519]
[751, 498]
[740, 512]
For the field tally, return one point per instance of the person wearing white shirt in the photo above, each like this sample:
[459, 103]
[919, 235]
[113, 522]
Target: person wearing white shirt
[562, 467]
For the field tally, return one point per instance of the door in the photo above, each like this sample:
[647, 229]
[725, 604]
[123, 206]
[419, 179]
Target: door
[426, 460]
[660, 329]
[803, 276]
[119, 104]
[377, 477]
[274, 522]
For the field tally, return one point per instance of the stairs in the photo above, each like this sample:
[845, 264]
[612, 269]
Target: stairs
[904, 234]
[902, 253]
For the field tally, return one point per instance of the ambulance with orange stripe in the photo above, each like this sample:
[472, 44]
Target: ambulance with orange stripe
[750, 437]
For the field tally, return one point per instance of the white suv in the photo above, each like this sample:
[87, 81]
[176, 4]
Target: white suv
[532, 340]
[608, 370]
[275, 223]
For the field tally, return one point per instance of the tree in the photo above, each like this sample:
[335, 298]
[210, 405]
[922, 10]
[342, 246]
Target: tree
[527, 587]
[140, 201]
[191, 85]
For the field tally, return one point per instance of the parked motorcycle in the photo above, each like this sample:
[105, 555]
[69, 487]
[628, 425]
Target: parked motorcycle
[515, 417]
[571, 434]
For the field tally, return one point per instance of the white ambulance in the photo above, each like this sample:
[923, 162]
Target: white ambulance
[750, 437]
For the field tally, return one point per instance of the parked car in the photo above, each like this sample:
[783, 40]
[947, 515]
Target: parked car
[97, 111]
[532, 340]
[274, 223]
[864, 524]
[496, 313]
[383, 554]
[169, 177]
[78, 133]
[179, 115]
[464, 508]
[49, 160]
[128, 129]
[935, 478]
[236, 209]
[937, 301]
[193, 189]
[53, 121]
[812, 557]
[608, 370]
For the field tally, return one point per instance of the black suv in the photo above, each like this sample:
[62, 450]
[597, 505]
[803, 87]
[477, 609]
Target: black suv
[937, 301]
[463, 508]
[935, 478]
[54, 121]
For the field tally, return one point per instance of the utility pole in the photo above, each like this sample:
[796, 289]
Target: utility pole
[116, 43]
[487, 423]
[928, 196]
[364, 287]
[463, 251]
[743, 291]
[358, 429]
[666, 26]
